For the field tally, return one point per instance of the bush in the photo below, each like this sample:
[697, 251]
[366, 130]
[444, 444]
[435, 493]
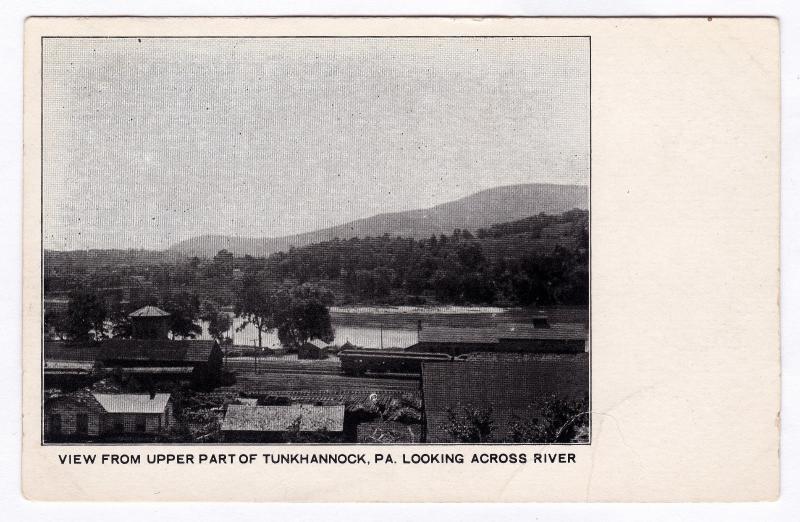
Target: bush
[406, 415]
[475, 425]
[558, 421]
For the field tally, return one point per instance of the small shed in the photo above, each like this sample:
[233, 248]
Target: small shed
[135, 413]
[72, 416]
[85, 414]
[149, 322]
[312, 350]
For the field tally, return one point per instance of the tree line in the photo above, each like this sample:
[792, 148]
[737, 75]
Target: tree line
[298, 313]
[537, 261]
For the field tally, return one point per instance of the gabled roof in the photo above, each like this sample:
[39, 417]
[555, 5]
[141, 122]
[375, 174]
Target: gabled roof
[458, 335]
[149, 311]
[176, 370]
[509, 387]
[317, 343]
[71, 351]
[556, 331]
[68, 365]
[164, 350]
[132, 402]
[245, 417]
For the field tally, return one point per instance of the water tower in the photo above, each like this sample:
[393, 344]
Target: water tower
[149, 322]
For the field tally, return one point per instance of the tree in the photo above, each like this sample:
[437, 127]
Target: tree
[558, 421]
[256, 305]
[218, 322]
[55, 323]
[184, 310]
[302, 314]
[86, 315]
[470, 255]
[121, 326]
[477, 288]
[219, 325]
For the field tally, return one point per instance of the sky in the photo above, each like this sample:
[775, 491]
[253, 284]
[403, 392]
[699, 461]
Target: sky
[151, 141]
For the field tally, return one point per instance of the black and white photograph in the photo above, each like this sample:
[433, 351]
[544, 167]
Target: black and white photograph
[316, 240]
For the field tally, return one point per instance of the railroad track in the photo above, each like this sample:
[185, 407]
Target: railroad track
[319, 381]
[241, 367]
[321, 386]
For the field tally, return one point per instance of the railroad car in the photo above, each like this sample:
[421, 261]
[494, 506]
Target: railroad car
[358, 362]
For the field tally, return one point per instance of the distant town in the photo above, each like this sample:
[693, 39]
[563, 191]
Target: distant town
[466, 337]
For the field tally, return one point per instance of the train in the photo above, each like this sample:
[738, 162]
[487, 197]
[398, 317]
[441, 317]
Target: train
[359, 362]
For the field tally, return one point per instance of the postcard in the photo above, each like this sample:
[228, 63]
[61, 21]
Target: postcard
[401, 259]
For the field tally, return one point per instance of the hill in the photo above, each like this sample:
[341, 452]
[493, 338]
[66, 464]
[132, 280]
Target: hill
[480, 210]
[539, 260]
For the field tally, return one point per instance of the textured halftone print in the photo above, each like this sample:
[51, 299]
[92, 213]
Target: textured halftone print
[505, 389]
[151, 141]
[308, 223]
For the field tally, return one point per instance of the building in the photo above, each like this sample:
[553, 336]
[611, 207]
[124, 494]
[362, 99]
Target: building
[196, 360]
[292, 423]
[506, 386]
[313, 349]
[149, 322]
[158, 352]
[85, 415]
[455, 341]
[66, 374]
[149, 353]
[554, 338]
[540, 336]
[135, 413]
[72, 416]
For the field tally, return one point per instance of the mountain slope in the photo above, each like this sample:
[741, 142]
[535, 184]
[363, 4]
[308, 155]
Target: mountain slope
[488, 207]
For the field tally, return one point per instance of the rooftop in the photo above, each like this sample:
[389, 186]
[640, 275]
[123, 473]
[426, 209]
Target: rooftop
[161, 350]
[458, 335]
[556, 331]
[510, 387]
[165, 350]
[246, 417]
[132, 402]
[149, 311]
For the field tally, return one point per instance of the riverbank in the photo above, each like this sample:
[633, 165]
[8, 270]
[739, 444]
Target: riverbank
[397, 327]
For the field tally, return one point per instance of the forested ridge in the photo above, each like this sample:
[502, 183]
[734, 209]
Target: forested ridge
[539, 260]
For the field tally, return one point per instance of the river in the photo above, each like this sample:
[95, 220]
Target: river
[396, 326]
